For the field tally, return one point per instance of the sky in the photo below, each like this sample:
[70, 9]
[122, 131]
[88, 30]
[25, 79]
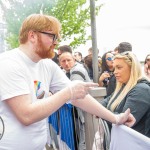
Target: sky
[122, 21]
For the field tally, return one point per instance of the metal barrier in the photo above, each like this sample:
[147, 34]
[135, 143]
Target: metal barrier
[83, 135]
[93, 125]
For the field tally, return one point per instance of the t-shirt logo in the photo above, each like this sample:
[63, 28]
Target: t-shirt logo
[2, 127]
[39, 89]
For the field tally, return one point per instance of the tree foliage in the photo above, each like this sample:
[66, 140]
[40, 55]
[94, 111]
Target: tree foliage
[74, 16]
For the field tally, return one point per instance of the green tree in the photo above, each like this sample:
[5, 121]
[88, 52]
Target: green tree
[74, 16]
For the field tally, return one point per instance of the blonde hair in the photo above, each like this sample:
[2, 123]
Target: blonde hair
[135, 75]
[38, 22]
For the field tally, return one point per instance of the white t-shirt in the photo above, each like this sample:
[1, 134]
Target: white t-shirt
[19, 75]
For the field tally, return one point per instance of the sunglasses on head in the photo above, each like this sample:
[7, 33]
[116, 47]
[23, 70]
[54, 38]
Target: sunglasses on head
[126, 54]
[109, 58]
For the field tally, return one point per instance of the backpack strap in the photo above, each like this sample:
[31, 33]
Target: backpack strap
[79, 73]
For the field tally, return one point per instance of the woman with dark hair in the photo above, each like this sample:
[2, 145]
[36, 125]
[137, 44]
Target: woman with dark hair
[147, 66]
[107, 78]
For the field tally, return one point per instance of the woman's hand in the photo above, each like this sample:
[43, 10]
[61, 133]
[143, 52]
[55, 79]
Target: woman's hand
[104, 76]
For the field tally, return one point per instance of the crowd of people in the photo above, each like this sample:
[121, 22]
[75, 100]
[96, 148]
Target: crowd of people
[124, 78]
[36, 82]
[122, 75]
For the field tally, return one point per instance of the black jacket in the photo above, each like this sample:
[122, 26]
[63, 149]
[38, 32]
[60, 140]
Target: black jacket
[138, 100]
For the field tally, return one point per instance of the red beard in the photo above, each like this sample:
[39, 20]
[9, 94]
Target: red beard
[44, 52]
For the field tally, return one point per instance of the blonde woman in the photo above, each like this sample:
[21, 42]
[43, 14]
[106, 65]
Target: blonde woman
[132, 91]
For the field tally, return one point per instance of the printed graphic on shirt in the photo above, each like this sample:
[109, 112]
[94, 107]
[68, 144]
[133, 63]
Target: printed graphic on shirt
[2, 127]
[39, 89]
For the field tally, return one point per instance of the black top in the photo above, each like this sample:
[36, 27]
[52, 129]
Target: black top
[110, 84]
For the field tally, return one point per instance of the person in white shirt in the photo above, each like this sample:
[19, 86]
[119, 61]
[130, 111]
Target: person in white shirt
[26, 78]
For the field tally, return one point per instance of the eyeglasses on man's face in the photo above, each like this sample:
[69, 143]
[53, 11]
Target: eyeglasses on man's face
[53, 36]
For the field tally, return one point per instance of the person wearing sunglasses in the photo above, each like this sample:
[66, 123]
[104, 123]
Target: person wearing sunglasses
[147, 66]
[107, 78]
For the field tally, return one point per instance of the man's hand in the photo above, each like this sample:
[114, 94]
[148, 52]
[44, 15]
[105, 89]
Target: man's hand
[125, 118]
[79, 89]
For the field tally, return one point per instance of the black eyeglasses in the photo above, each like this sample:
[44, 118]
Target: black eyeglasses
[54, 36]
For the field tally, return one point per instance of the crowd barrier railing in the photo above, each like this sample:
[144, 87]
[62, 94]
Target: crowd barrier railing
[65, 124]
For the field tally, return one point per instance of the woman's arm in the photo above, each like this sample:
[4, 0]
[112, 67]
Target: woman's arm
[105, 101]
[103, 76]
[138, 100]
